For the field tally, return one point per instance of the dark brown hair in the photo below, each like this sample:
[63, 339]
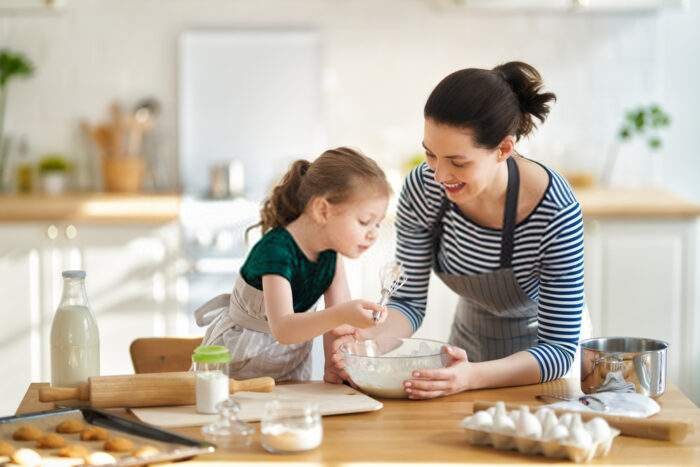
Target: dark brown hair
[492, 103]
[337, 175]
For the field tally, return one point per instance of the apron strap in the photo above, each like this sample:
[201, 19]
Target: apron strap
[510, 214]
[204, 316]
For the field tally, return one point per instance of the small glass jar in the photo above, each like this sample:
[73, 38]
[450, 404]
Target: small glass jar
[211, 376]
[291, 426]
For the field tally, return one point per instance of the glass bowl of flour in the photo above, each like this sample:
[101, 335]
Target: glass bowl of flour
[380, 366]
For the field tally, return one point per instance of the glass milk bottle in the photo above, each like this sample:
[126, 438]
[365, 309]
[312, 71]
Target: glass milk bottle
[75, 339]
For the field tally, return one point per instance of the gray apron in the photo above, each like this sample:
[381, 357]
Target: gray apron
[494, 317]
[238, 321]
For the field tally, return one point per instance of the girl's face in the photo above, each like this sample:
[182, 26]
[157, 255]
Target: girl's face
[463, 169]
[353, 226]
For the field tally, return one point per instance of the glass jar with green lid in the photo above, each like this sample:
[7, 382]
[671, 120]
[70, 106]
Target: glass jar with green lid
[211, 374]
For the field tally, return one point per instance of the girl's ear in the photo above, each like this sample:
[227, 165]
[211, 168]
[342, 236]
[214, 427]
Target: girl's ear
[320, 209]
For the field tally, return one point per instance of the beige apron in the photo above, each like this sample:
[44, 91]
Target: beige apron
[237, 321]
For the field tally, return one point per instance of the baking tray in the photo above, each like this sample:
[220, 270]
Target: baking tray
[172, 446]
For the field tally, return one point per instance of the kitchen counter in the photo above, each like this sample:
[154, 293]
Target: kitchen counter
[157, 208]
[635, 203]
[91, 207]
[427, 432]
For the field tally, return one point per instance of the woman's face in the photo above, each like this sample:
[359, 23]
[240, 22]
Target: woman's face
[463, 169]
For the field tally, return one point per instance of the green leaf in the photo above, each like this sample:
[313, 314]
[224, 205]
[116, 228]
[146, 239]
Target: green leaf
[654, 143]
[13, 64]
[624, 133]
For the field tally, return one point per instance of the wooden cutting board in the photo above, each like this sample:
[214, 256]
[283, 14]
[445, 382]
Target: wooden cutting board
[333, 399]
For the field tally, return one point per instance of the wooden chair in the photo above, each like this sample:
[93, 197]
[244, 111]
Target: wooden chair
[162, 354]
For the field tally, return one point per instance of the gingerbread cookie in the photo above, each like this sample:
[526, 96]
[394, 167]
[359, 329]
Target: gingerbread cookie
[70, 426]
[94, 433]
[73, 450]
[6, 449]
[51, 441]
[118, 444]
[27, 433]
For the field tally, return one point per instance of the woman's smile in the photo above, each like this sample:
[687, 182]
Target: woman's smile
[453, 188]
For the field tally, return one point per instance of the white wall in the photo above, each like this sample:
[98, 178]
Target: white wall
[381, 59]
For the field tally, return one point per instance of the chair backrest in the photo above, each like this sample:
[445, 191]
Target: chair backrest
[162, 354]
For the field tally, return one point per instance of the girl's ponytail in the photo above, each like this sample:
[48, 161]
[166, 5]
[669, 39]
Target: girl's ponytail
[283, 205]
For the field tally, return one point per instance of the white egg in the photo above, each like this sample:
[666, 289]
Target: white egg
[481, 419]
[578, 435]
[528, 425]
[599, 429]
[549, 422]
[499, 408]
[565, 419]
[503, 424]
[514, 415]
[542, 412]
[556, 433]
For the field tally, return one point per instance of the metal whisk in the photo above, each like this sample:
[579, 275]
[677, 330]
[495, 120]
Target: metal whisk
[392, 277]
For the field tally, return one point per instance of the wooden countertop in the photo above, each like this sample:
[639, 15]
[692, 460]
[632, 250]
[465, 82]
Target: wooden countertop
[635, 203]
[158, 208]
[91, 207]
[427, 432]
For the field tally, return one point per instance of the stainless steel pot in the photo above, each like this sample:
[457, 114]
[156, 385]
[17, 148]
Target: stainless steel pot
[623, 364]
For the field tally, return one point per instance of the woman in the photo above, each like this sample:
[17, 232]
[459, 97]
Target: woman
[503, 232]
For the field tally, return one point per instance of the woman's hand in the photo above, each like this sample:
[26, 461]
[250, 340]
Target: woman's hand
[428, 384]
[334, 368]
[359, 313]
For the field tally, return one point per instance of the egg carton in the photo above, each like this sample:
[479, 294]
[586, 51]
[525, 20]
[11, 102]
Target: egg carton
[526, 445]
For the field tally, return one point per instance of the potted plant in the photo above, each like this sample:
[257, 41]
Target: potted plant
[646, 122]
[12, 65]
[53, 172]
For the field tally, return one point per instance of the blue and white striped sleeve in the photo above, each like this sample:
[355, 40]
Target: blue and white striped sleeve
[561, 301]
[413, 249]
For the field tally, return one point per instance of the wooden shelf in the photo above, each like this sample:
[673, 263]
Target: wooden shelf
[91, 207]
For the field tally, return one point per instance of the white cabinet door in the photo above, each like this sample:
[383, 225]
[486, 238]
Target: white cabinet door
[131, 285]
[130, 281]
[20, 334]
[639, 283]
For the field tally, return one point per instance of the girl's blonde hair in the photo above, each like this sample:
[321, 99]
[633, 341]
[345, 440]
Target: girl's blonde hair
[337, 175]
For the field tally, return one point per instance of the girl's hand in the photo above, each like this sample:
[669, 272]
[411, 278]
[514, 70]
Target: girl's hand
[334, 368]
[428, 384]
[359, 313]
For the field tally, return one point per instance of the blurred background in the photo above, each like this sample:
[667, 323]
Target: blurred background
[137, 138]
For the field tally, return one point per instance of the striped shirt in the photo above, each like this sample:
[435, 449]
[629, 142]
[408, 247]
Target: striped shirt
[547, 260]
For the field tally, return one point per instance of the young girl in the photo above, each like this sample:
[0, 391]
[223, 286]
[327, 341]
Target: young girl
[320, 209]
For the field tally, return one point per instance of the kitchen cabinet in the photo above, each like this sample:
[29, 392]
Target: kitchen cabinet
[132, 286]
[640, 281]
[574, 6]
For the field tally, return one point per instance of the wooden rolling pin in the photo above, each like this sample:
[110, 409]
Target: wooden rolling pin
[144, 390]
[664, 430]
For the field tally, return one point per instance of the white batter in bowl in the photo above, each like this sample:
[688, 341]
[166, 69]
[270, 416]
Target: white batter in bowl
[380, 366]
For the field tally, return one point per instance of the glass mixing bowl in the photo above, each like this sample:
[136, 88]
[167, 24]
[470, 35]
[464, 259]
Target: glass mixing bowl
[380, 366]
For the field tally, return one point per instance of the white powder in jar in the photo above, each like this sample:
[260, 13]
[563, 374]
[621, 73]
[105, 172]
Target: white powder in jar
[211, 387]
[280, 438]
